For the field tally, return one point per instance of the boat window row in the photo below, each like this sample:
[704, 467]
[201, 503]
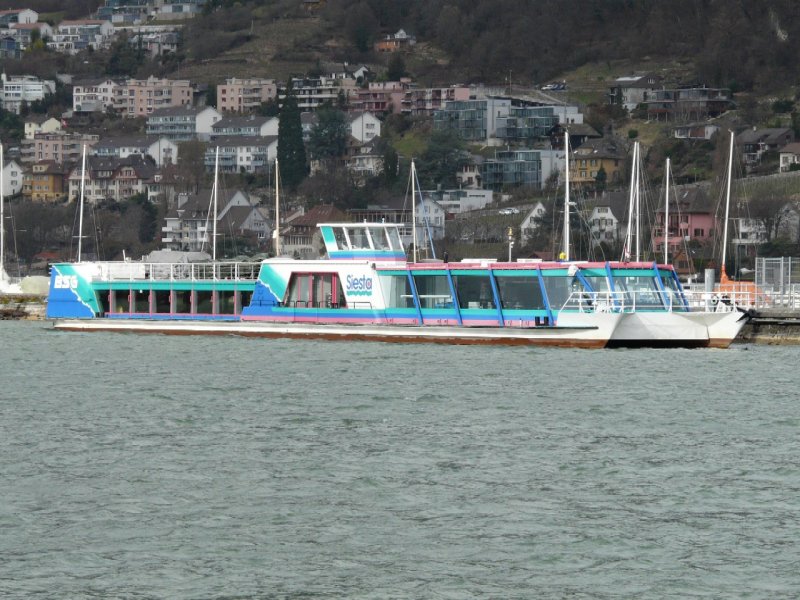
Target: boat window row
[367, 238]
[173, 302]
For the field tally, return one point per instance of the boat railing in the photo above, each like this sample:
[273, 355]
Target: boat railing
[717, 301]
[136, 271]
[655, 300]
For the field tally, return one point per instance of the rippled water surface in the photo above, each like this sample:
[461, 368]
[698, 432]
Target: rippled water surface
[161, 467]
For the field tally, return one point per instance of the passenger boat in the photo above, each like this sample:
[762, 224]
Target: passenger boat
[365, 289]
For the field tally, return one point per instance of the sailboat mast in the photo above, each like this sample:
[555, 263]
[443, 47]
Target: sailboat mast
[414, 210]
[277, 234]
[2, 219]
[723, 274]
[638, 205]
[626, 252]
[214, 194]
[566, 195]
[666, 219]
[80, 209]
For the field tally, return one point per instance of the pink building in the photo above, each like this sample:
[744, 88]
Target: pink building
[245, 95]
[691, 218]
[383, 97]
[426, 101]
[140, 97]
[58, 146]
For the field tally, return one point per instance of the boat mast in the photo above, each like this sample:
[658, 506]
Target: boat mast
[723, 276]
[214, 198]
[638, 206]
[666, 219]
[566, 196]
[414, 210]
[277, 233]
[80, 209]
[626, 251]
[2, 220]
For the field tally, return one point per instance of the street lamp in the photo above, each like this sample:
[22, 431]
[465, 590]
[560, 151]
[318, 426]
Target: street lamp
[510, 242]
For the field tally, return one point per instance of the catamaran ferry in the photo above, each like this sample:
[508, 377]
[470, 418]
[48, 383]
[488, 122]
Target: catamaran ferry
[366, 289]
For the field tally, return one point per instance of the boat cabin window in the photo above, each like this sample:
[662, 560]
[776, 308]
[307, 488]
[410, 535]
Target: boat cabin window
[315, 290]
[433, 291]
[205, 303]
[396, 291]
[639, 291]
[358, 238]
[474, 291]
[162, 301]
[122, 299]
[599, 284]
[561, 289]
[521, 292]
[183, 301]
[394, 238]
[141, 301]
[380, 239]
[226, 302]
[341, 240]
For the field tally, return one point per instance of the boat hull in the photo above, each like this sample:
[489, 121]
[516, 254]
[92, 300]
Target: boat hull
[595, 335]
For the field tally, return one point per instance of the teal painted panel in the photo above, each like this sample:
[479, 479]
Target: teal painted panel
[474, 273]
[633, 272]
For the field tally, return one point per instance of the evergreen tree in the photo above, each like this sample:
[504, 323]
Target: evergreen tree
[291, 152]
[396, 68]
[329, 136]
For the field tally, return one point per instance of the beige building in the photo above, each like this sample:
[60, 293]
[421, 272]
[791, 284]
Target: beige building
[245, 95]
[140, 97]
[58, 146]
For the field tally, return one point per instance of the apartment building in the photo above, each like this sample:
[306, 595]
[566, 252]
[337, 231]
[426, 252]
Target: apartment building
[24, 88]
[71, 37]
[182, 123]
[58, 146]
[140, 97]
[426, 101]
[245, 95]
[44, 182]
[313, 92]
[242, 154]
[161, 150]
[112, 178]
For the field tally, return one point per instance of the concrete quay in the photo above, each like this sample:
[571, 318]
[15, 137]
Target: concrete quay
[772, 326]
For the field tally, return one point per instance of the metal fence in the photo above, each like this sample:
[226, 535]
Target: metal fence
[779, 279]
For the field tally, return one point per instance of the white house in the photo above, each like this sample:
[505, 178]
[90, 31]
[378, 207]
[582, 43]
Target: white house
[161, 150]
[531, 222]
[182, 123]
[789, 155]
[24, 88]
[364, 126]
[242, 153]
[606, 219]
[459, 201]
[251, 125]
[36, 125]
[17, 15]
[12, 179]
[430, 220]
[93, 95]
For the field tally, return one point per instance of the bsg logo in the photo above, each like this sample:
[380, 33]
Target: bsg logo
[65, 282]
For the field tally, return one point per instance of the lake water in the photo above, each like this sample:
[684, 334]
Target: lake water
[190, 467]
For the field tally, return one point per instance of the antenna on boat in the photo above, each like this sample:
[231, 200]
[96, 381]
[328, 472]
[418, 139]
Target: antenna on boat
[80, 208]
[214, 192]
[723, 276]
[413, 211]
[277, 233]
[566, 196]
[666, 218]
